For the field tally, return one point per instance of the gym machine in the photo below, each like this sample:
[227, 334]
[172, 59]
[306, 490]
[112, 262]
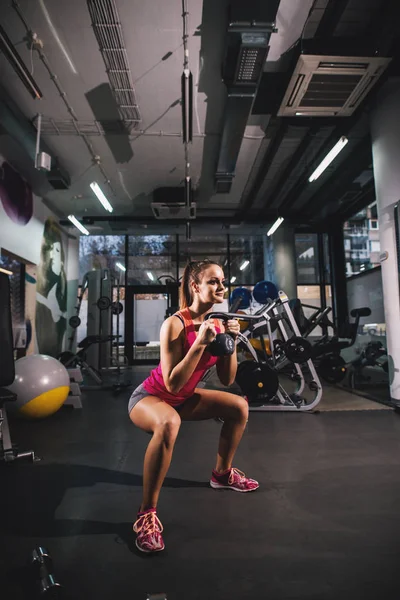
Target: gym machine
[100, 349]
[259, 379]
[326, 351]
[8, 452]
[79, 359]
[373, 358]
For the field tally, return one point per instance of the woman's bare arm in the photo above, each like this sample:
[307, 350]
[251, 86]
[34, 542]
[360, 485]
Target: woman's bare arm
[177, 367]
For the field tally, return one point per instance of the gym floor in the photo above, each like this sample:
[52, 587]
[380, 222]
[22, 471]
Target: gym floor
[325, 523]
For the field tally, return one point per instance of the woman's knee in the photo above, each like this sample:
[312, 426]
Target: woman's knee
[238, 408]
[167, 428]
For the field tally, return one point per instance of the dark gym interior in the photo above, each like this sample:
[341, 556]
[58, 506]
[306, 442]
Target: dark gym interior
[136, 137]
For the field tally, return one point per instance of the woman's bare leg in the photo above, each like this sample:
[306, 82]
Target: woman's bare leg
[155, 416]
[208, 404]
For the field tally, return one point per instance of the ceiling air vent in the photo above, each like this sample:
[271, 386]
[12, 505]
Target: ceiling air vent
[330, 86]
[177, 210]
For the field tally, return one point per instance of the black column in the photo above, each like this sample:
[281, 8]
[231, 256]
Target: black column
[321, 269]
[338, 274]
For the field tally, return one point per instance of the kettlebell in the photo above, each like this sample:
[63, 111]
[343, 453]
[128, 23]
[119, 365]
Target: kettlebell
[222, 345]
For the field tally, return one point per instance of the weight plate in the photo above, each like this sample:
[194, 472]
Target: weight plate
[244, 294]
[103, 303]
[264, 291]
[74, 322]
[332, 368]
[117, 308]
[298, 350]
[258, 381]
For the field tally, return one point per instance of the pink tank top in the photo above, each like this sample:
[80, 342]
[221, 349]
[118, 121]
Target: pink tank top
[154, 384]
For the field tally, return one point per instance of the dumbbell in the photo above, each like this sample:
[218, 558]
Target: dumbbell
[47, 585]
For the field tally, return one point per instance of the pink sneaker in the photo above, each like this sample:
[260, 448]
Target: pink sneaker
[233, 479]
[148, 528]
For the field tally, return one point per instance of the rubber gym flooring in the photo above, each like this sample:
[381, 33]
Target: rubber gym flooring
[325, 523]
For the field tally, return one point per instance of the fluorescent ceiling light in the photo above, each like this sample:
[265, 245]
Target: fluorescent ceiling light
[78, 225]
[329, 158]
[96, 189]
[233, 279]
[120, 266]
[244, 265]
[6, 271]
[150, 275]
[275, 226]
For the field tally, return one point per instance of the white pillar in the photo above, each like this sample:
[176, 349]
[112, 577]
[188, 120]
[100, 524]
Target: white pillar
[385, 134]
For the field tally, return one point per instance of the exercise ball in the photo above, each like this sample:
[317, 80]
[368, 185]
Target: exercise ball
[41, 384]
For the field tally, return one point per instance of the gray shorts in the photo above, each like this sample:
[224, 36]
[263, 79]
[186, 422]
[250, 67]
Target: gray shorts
[136, 396]
[139, 393]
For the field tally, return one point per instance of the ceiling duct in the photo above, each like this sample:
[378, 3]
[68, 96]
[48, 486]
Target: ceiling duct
[330, 86]
[249, 30]
[108, 30]
[173, 203]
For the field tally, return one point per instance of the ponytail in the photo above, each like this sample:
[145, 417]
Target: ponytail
[191, 273]
[185, 294]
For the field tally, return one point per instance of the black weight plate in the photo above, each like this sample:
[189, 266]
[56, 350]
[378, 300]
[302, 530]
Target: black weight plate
[298, 350]
[74, 322]
[103, 303]
[258, 381]
[332, 368]
[117, 308]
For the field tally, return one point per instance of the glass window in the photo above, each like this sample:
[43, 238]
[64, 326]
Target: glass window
[374, 246]
[246, 259]
[151, 259]
[200, 247]
[102, 252]
[307, 258]
[361, 241]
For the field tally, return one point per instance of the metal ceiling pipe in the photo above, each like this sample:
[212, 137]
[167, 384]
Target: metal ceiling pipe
[249, 29]
[20, 129]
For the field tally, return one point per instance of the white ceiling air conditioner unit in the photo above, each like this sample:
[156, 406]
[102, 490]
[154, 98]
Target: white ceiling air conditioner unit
[330, 86]
[173, 210]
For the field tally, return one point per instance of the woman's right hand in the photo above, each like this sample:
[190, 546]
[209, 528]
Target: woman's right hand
[206, 333]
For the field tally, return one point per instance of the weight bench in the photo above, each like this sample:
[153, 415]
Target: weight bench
[70, 360]
[8, 452]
